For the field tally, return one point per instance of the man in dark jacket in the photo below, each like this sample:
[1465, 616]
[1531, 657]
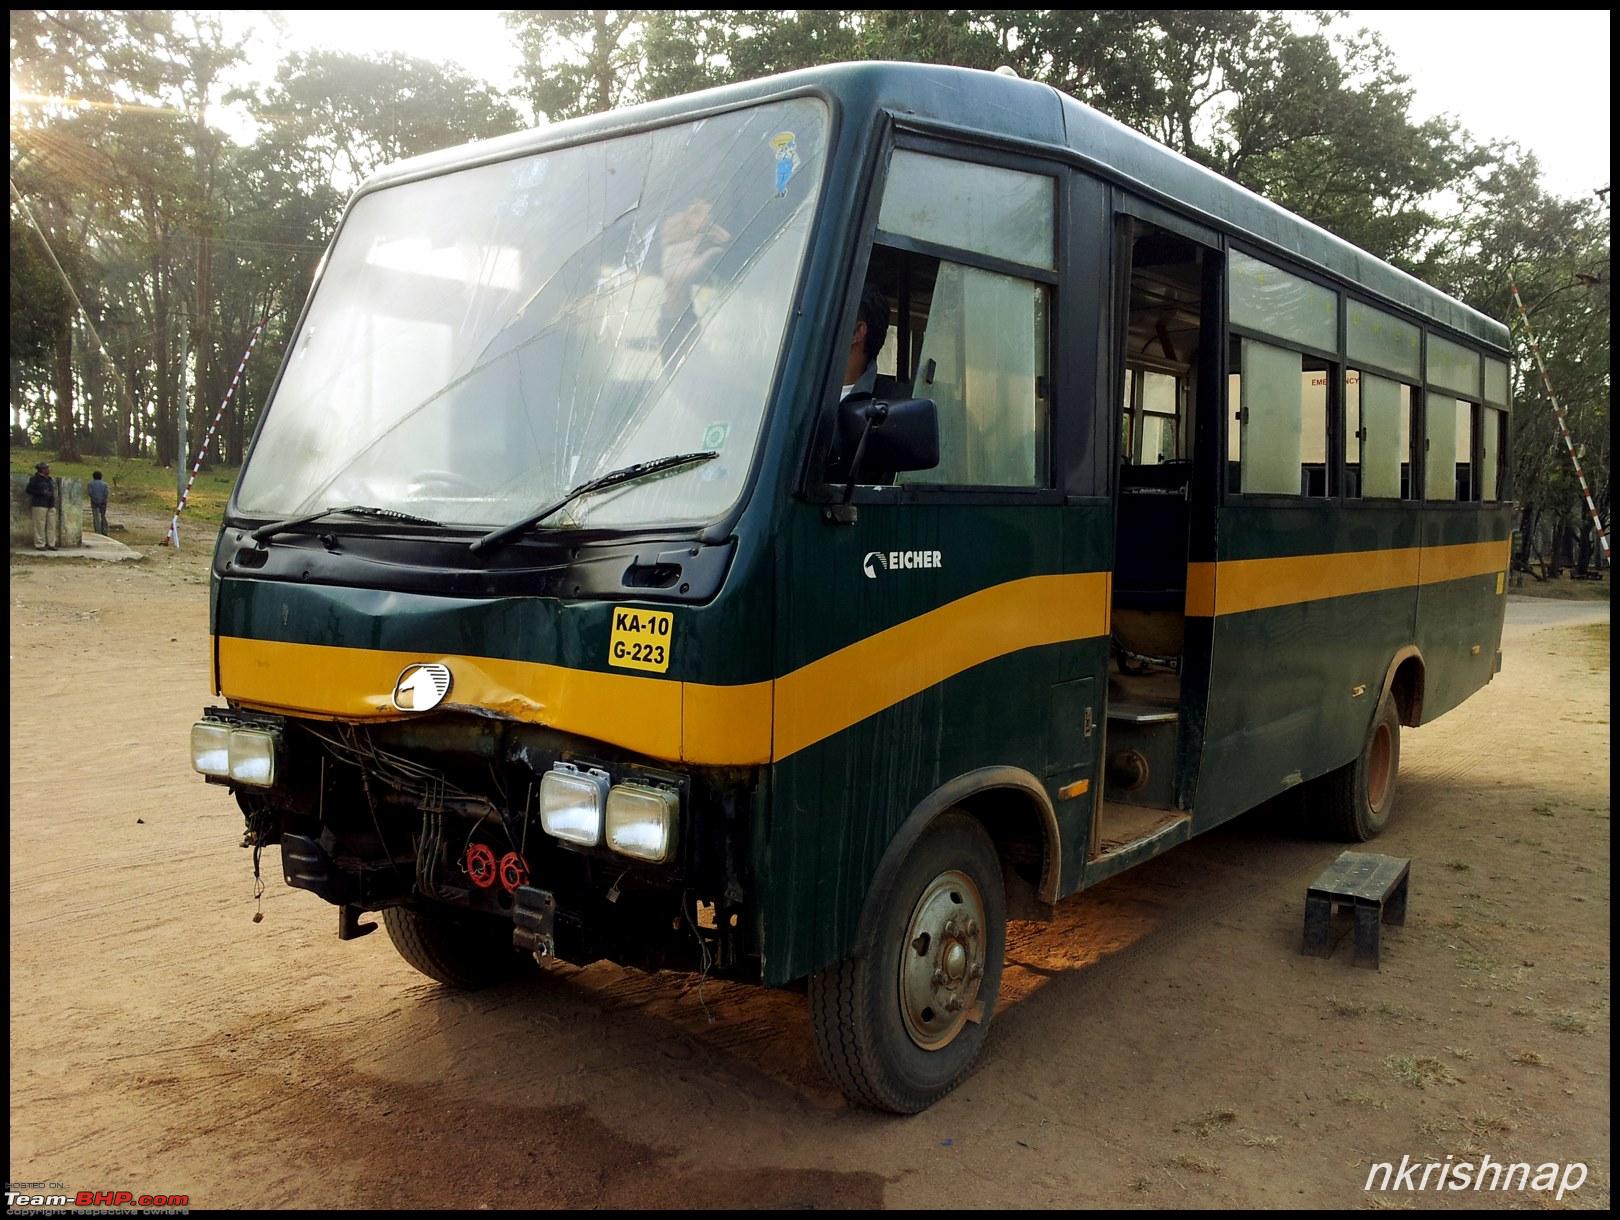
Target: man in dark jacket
[41, 499]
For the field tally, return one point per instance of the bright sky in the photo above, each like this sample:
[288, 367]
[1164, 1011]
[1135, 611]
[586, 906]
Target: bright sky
[1540, 78]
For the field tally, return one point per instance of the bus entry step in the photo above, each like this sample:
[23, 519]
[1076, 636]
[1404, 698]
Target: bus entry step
[1373, 887]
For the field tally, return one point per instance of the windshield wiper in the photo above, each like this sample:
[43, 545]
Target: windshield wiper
[353, 510]
[625, 474]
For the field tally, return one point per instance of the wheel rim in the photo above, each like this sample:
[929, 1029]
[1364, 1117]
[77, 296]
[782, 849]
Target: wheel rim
[1379, 757]
[942, 960]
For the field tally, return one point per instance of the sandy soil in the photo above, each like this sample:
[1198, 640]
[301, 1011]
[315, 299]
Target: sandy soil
[1162, 1043]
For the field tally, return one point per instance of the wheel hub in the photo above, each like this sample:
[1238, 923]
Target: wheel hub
[942, 961]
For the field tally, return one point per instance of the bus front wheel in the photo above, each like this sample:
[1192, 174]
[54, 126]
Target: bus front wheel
[900, 1025]
[457, 952]
[1357, 799]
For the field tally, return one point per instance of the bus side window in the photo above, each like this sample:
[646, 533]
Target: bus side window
[1494, 429]
[973, 333]
[1385, 355]
[1466, 414]
[1279, 439]
[1495, 445]
[1448, 414]
[1377, 436]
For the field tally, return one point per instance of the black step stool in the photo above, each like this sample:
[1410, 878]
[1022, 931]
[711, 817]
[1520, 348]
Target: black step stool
[1372, 886]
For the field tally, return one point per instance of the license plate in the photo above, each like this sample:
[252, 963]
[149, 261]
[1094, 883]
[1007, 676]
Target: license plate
[641, 639]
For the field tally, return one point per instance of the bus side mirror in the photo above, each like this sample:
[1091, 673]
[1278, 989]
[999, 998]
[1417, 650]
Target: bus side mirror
[888, 437]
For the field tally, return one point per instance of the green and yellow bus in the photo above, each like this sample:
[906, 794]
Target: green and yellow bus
[788, 531]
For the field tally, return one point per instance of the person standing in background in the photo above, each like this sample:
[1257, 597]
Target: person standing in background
[99, 492]
[41, 499]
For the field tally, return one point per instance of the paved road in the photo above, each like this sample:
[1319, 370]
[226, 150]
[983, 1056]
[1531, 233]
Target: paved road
[1538, 612]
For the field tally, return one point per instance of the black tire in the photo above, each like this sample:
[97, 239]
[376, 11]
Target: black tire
[1356, 801]
[862, 1035]
[457, 952]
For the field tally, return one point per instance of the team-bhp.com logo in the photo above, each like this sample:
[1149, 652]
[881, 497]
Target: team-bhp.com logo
[898, 561]
[421, 687]
[19, 1196]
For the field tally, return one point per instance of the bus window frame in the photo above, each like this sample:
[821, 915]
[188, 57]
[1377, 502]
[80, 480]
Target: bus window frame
[1418, 425]
[1061, 387]
[1335, 385]
[1337, 448]
[1146, 364]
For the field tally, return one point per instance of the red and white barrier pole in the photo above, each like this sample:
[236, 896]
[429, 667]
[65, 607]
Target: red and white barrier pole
[1563, 426]
[174, 525]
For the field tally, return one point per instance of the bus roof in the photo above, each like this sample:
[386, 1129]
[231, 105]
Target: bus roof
[995, 105]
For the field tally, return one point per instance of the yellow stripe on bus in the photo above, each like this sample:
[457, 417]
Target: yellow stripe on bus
[761, 722]
[686, 721]
[1234, 586]
[845, 687]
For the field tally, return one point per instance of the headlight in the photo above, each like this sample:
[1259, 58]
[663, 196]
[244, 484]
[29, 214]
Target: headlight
[253, 757]
[211, 748]
[641, 821]
[571, 803]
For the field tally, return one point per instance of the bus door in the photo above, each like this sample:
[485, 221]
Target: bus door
[1167, 352]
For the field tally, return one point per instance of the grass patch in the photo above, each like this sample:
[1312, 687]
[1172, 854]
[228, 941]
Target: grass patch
[1368, 1101]
[1419, 1071]
[138, 485]
[1253, 1139]
[1487, 1124]
[1570, 1022]
[1210, 1121]
[1197, 1165]
[1528, 1059]
[1457, 866]
[1460, 1052]
[1397, 1012]
[1346, 1008]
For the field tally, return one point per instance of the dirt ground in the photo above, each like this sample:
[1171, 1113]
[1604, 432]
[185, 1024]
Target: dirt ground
[1162, 1043]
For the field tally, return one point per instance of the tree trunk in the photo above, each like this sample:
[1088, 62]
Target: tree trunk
[126, 415]
[164, 424]
[67, 440]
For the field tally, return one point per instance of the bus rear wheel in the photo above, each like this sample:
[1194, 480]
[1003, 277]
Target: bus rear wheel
[1356, 800]
[901, 1025]
[457, 952]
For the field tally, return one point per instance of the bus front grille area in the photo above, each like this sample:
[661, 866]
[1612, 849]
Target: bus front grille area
[444, 813]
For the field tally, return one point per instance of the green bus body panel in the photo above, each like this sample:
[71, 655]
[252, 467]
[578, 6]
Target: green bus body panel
[1283, 709]
[718, 643]
[837, 804]
[1455, 617]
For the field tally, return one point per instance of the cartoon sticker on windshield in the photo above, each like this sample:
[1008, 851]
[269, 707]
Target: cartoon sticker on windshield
[786, 148]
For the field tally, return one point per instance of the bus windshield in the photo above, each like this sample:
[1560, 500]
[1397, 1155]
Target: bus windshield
[484, 339]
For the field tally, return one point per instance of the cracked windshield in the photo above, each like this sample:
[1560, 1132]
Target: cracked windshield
[484, 340]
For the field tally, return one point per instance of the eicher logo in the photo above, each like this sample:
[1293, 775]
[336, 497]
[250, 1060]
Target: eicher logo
[421, 687]
[898, 561]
